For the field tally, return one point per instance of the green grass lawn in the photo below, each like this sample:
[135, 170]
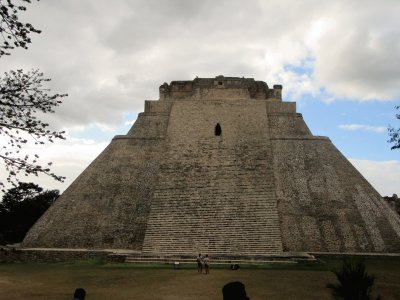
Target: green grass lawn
[123, 281]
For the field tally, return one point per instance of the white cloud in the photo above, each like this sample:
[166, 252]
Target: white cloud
[383, 175]
[69, 157]
[130, 122]
[110, 57]
[358, 55]
[363, 127]
[110, 62]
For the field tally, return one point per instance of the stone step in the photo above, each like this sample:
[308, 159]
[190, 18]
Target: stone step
[218, 199]
[222, 260]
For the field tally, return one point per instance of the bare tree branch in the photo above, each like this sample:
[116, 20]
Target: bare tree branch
[14, 33]
[23, 96]
[394, 134]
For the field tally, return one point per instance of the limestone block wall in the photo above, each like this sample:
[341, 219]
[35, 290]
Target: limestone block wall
[276, 106]
[222, 93]
[155, 106]
[152, 124]
[107, 205]
[215, 194]
[148, 126]
[52, 255]
[287, 125]
[325, 204]
[220, 88]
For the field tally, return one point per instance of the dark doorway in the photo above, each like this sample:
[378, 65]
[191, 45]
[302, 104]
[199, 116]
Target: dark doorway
[218, 129]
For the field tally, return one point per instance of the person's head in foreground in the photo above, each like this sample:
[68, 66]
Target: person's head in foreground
[234, 291]
[79, 294]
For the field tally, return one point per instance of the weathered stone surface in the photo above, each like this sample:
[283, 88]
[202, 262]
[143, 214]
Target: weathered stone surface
[259, 184]
[55, 255]
[394, 202]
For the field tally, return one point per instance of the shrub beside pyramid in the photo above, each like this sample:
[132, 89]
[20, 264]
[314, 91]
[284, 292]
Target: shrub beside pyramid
[220, 166]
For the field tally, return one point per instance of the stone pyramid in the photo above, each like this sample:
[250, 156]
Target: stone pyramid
[220, 166]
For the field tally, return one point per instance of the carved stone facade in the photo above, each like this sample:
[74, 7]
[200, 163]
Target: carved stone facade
[220, 166]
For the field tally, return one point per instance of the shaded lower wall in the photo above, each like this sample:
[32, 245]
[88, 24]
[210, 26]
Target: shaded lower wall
[325, 204]
[33, 255]
[107, 206]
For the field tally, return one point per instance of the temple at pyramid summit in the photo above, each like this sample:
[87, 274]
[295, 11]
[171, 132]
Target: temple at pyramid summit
[220, 166]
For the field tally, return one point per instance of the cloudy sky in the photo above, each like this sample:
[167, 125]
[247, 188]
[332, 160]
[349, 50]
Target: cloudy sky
[339, 60]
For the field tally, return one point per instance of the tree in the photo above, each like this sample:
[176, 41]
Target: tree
[14, 32]
[23, 97]
[394, 134]
[354, 282]
[20, 208]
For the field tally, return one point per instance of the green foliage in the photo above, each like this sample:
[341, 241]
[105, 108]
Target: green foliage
[394, 134]
[354, 282]
[20, 208]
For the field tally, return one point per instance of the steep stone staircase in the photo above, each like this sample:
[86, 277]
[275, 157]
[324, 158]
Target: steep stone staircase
[215, 199]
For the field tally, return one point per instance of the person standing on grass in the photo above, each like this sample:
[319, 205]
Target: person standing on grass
[207, 264]
[199, 260]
